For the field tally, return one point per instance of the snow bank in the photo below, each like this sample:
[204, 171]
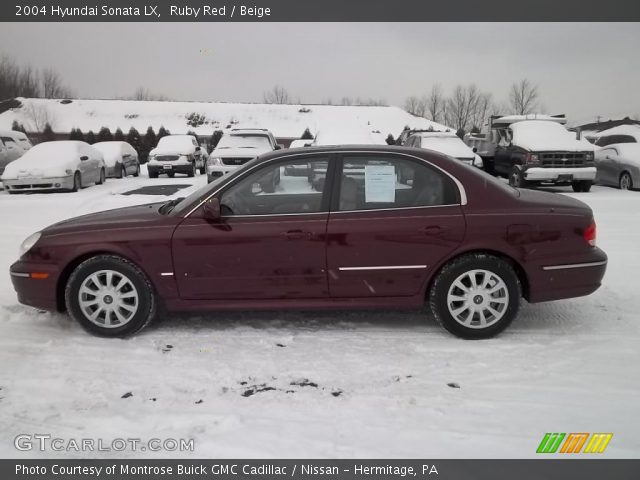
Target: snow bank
[284, 121]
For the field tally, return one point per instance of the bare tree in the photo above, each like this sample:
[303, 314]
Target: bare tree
[436, 104]
[411, 104]
[346, 101]
[461, 107]
[143, 94]
[39, 117]
[52, 84]
[277, 94]
[481, 111]
[523, 97]
[9, 78]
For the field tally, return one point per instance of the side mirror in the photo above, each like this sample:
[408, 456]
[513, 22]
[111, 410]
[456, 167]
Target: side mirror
[278, 147]
[84, 157]
[198, 149]
[475, 150]
[212, 210]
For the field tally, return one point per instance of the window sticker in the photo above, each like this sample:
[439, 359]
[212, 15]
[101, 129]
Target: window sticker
[380, 183]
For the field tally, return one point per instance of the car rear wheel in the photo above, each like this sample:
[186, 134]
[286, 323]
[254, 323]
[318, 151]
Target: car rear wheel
[171, 175]
[516, 178]
[121, 171]
[202, 170]
[110, 296]
[153, 174]
[192, 171]
[102, 177]
[137, 172]
[476, 296]
[626, 182]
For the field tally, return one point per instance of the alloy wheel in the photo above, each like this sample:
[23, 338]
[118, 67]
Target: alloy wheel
[108, 299]
[625, 181]
[478, 299]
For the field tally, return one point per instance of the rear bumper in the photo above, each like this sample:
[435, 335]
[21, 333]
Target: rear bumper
[569, 277]
[554, 174]
[113, 172]
[170, 167]
[38, 293]
[29, 184]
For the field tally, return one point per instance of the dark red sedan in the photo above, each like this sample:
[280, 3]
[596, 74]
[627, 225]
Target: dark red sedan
[373, 227]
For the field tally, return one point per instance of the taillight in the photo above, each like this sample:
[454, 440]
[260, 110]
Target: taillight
[589, 234]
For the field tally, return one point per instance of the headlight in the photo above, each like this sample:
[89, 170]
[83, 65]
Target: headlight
[214, 161]
[588, 156]
[29, 242]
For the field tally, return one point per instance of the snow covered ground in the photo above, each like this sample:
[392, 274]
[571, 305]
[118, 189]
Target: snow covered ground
[341, 384]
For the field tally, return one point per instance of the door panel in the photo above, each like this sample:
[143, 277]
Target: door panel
[252, 257]
[407, 243]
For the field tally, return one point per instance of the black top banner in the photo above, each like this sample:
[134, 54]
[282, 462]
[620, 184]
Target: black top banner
[319, 11]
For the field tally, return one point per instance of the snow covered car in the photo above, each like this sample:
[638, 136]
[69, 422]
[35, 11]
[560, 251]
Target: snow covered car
[442, 239]
[618, 165]
[448, 143]
[619, 134]
[531, 152]
[120, 158]
[13, 145]
[58, 165]
[300, 143]
[238, 147]
[176, 154]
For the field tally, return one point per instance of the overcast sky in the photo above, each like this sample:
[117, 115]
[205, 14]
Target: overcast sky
[582, 70]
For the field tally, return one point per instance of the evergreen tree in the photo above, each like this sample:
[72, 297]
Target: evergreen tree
[147, 143]
[104, 135]
[306, 135]
[119, 136]
[47, 134]
[215, 138]
[76, 134]
[162, 132]
[133, 138]
[390, 140]
[90, 138]
[15, 126]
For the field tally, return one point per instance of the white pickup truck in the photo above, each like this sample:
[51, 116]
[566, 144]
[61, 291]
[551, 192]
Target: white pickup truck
[534, 149]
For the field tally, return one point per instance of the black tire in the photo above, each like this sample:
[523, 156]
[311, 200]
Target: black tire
[192, 171]
[625, 181]
[459, 267]
[516, 178]
[153, 174]
[121, 171]
[103, 177]
[77, 182]
[581, 185]
[146, 306]
[137, 172]
[171, 174]
[202, 170]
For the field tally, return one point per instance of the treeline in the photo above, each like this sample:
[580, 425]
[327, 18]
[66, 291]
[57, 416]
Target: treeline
[467, 108]
[27, 81]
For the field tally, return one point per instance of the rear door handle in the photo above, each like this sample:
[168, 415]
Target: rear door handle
[296, 234]
[431, 230]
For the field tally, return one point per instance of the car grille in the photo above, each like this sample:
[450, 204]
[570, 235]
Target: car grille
[32, 186]
[563, 159]
[167, 158]
[235, 160]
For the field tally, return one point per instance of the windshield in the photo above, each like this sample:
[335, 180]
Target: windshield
[243, 141]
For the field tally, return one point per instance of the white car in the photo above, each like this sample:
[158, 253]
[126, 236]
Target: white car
[238, 147]
[448, 143]
[59, 165]
[13, 145]
[176, 154]
[300, 143]
[120, 158]
[347, 136]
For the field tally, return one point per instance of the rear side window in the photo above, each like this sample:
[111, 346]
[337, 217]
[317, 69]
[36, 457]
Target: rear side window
[611, 139]
[381, 181]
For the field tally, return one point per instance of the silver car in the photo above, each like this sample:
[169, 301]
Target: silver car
[618, 165]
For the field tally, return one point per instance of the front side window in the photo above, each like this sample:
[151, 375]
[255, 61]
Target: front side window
[375, 182]
[278, 189]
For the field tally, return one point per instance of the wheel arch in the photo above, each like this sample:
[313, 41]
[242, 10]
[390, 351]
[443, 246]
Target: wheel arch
[517, 266]
[68, 269]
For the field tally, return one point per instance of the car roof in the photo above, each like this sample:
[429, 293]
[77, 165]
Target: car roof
[263, 131]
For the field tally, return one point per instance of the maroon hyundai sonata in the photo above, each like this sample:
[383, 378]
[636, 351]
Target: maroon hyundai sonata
[363, 227]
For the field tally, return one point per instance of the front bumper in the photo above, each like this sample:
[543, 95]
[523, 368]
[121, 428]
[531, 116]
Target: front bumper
[538, 174]
[39, 293]
[170, 167]
[29, 184]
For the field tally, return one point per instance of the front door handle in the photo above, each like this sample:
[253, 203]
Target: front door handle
[296, 234]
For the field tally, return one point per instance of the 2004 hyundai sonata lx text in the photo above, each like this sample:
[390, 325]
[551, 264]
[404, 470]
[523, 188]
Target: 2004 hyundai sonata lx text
[385, 227]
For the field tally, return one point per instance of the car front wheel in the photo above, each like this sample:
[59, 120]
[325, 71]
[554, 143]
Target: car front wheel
[626, 183]
[516, 178]
[476, 296]
[110, 296]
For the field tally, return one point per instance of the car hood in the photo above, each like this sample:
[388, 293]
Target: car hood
[119, 218]
[238, 152]
[545, 200]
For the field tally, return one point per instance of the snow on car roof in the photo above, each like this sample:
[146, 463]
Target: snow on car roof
[510, 119]
[348, 137]
[632, 130]
[546, 136]
[176, 141]
[449, 145]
